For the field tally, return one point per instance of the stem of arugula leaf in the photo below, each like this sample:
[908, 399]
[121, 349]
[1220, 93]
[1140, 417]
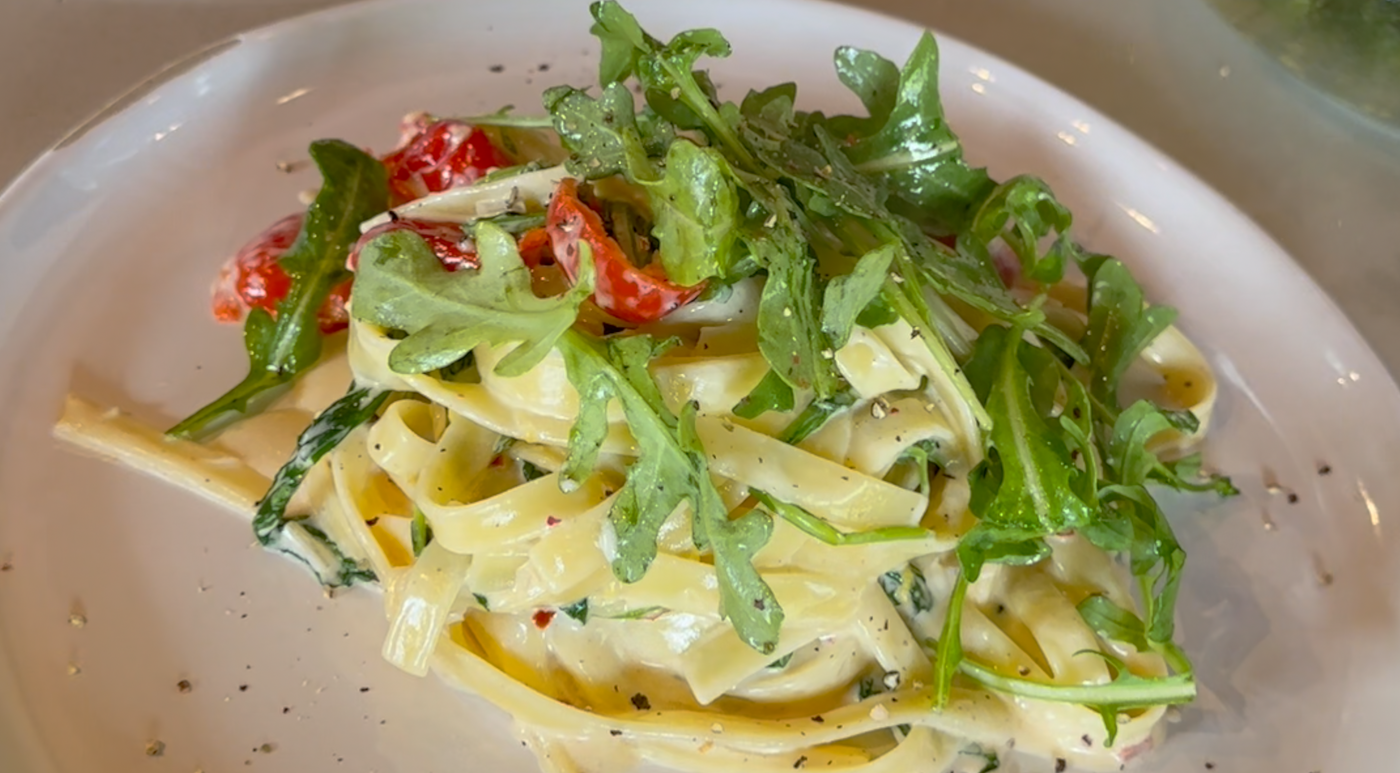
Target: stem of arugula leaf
[949, 653]
[1157, 692]
[698, 101]
[514, 121]
[898, 297]
[819, 529]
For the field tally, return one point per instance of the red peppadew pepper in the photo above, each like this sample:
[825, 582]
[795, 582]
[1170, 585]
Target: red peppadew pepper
[632, 294]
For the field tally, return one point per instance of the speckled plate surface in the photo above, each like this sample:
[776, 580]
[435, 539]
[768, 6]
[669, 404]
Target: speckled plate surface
[109, 243]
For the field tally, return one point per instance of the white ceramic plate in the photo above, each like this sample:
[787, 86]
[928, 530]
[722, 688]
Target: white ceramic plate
[108, 246]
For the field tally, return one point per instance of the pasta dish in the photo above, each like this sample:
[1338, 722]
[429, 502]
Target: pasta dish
[716, 435]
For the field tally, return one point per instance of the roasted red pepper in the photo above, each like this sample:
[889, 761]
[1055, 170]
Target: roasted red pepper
[252, 279]
[432, 157]
[437, 155]
[636, 295]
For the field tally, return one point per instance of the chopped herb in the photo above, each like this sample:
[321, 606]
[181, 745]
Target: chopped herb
[577, 610]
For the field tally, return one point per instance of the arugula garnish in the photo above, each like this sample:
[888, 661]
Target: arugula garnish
[771, 393]
[670, 470]
[326, 432]
[848, 296]
[911, 146]
[817, 528]
[1121, 325]
[577, 610]
[402, 286]
[353, 189]
[697, 213]
[1126, 691]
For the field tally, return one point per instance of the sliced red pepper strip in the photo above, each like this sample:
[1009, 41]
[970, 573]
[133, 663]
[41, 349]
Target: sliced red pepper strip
[636, 295]
[434, 156]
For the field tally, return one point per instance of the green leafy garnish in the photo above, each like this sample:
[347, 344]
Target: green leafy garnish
[320, 438]
[771, 393]
[420, 533]
[815, 416]
[1120, 324]
[697, 211]
[401, 285]
[577, 610]
[910, 145]
[848, 296]
[353, 189]
[1126, 691]
[670, 470]
[819, 529]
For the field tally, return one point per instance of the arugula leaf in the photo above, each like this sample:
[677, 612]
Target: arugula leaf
[671, 468]
[875, 80]
[815, 416]
[621, 37]
[949, 653]
[1113, 622]
[772, 107]
[789, 330]
[1021, 212]
[697, 211]
[1185, 474]
[1126, 691]
[1156, 556]
[772, 393]
[848, 296]
[825, 170]
[913, 150]
[1120, 325]
[672, 88]
[326, 432]
[817, 528]
[353, 189]
[745, 599]
[601, 134]
[1033, 497]
[401, 285]
[309, 545]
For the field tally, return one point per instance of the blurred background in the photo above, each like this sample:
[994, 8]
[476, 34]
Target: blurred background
[1219, 85]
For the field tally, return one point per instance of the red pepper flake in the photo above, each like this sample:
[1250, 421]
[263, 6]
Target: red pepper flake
[552, 521]
[542, 618]
[499, 460]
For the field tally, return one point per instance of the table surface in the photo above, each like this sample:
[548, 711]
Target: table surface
[1324, 183]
